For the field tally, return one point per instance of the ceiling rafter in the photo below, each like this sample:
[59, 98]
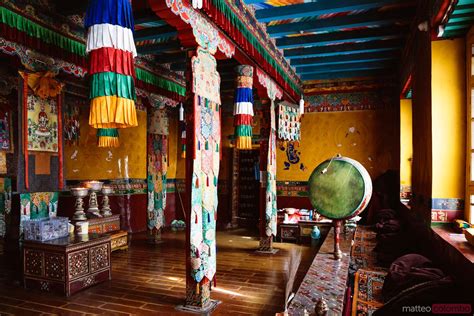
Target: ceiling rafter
[311, 9]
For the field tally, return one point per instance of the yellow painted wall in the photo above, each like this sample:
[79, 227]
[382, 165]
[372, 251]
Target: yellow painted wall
[174, 153]
[370, 137]
[86, 161]
[406, 141]
[448, 118]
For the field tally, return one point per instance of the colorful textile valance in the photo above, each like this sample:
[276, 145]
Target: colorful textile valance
[243, 107]
[150, 78]
[289, 122]
[109, 34]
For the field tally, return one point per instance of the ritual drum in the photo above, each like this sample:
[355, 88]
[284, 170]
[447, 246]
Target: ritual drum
[340, 188]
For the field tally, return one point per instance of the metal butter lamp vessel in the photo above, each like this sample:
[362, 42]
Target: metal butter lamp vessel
[79, 193]
[106, 191]
[339, 189]
[94, 187]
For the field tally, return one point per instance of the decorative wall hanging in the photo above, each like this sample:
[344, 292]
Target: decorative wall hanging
[72, 125]
[289, 122]
[243, 107]
[5, 203]
[273, 91]
[271, 190]
[112, 49]
[5, 131]
[157, 169]
[42, 122]
[206, 79]
[158, 121]
[205, 169]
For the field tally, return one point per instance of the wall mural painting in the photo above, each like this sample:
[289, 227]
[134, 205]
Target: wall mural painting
[206, 163]
[42, 124]
[292, 155]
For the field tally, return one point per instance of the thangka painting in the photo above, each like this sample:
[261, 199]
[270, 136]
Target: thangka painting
[5, 131]
[42, 124]
[206, 162]
[157, 169]
[289, 122]
[271, 203]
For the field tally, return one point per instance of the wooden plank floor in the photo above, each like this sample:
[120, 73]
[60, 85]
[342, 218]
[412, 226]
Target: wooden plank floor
[149, 280]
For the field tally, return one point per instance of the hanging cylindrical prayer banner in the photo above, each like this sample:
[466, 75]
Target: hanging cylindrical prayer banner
[243, 107]
[111, 50]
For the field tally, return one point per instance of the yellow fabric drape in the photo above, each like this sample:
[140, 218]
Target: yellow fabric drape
[112, 112]
[108, 142]
[243, 142]
[43, 84]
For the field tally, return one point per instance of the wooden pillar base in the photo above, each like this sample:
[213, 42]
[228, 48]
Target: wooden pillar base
[266, 245]
[154, 236]
[198, 297]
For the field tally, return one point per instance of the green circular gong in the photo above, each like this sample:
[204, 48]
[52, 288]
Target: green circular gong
[340, 188]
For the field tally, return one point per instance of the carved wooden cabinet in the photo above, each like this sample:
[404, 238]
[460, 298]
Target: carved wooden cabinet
[110, 225]
[104, 224]
[66, 265]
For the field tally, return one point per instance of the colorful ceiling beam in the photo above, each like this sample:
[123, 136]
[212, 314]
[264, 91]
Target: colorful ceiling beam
[314, 34]
[372, 46]
[459, 20]
[310, 9]
[323, 39]
[347, 74]
[345, 59]
[334, 24]
[343, 67]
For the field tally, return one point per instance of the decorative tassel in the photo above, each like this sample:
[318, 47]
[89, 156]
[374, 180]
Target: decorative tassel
[197, 288]
[215, 181]
[207, 145]
[108, 137]
[207, 181]
[208, 217]
[215, 216]
[196, 221]
[302, 105]
[197, 182]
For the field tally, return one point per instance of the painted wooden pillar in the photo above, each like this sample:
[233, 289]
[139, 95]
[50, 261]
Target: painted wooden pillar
[197, 295]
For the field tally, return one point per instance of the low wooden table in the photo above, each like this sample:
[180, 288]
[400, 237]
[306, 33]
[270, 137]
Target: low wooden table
[67, 265]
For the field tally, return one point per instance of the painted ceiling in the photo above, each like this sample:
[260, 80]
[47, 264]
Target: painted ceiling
[460, 20]
[326, 40]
